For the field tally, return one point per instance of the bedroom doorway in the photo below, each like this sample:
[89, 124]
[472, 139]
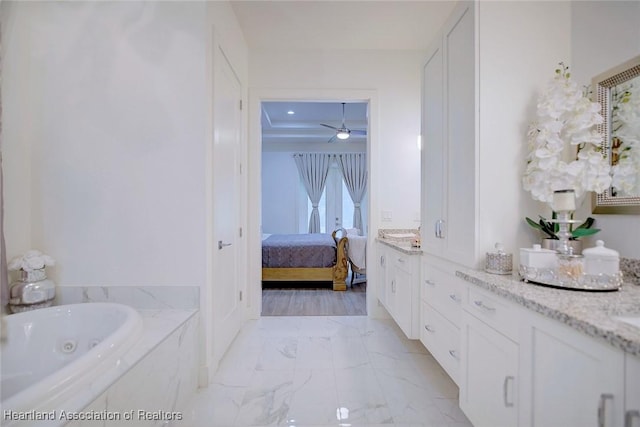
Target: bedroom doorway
[296, 127]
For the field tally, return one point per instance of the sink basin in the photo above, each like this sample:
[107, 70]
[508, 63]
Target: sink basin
[631, 320]
[400, 235]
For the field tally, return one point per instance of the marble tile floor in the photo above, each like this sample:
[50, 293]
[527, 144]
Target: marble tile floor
[321, 371]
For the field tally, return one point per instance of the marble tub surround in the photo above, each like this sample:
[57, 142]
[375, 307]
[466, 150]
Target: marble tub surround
[631, 270]
[158, 375]
[326, 371]
[588, 312]
[139, 297]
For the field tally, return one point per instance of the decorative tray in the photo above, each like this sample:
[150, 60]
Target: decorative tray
[566, 279]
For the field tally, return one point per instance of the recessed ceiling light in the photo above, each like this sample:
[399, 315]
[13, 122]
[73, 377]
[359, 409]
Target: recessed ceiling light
[291, 112]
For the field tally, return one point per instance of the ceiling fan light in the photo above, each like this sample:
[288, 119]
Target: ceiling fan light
[342, 134]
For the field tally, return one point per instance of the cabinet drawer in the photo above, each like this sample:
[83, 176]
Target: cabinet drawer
[444, 292]
[493, 310]
[401, 261]
[442, 339]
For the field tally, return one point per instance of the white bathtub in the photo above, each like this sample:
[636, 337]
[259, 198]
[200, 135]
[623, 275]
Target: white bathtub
[52, 356]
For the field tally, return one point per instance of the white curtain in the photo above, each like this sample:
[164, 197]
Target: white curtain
[313, 169]
[354, 171]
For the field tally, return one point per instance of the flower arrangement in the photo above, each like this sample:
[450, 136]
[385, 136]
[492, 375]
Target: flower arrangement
[30, 261]
[565, 118]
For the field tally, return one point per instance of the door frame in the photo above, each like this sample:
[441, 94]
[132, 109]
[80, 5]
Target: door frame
[254, 194]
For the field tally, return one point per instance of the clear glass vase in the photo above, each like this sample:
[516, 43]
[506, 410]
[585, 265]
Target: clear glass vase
[31, 290]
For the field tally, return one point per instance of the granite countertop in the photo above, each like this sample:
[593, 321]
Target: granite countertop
[588, 312]
[403, 246]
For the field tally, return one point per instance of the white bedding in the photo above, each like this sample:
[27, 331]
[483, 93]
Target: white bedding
[357, 251]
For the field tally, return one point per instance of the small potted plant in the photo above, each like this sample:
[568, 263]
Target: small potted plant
[550, 228]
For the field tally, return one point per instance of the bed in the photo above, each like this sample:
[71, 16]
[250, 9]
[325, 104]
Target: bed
[316, 257]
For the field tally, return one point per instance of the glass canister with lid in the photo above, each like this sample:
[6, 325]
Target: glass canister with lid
[499, 262]
[601, 260]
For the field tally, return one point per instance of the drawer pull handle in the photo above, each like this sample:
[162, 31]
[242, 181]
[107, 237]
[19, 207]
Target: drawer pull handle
[454, 297]
[401, 260]
[454, 354]
[505, 391]
[429, 282]
[484, 306]
[429, 328]
[602, 408]
[629, 416]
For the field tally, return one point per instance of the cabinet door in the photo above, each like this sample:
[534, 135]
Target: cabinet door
[432, 160]
[381, 267]
[460, 136]
[489, 375]
[403, 282]
[632, 392]
[575, 380]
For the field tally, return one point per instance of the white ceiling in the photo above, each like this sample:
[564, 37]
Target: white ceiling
[351, 24]
[330, 25]
[305, 124]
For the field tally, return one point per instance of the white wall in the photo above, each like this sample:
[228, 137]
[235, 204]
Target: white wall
[280, 189]
[16, 132]
[395, 76]
[521, 44]
[603, 35]
[116, 129]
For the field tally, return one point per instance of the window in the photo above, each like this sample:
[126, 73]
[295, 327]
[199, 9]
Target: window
[335, 207]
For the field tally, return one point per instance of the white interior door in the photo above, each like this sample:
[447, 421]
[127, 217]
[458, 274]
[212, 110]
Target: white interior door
[227, 311]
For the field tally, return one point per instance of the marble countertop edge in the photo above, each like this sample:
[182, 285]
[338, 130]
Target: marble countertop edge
[403, 246]
[587, 312]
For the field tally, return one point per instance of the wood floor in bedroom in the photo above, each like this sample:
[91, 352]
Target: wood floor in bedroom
[303, 300]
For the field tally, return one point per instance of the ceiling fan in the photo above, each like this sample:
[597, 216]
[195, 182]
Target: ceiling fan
[343, 132]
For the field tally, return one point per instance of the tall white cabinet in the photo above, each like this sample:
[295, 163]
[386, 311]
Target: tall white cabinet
[480, 77]
[450, 141]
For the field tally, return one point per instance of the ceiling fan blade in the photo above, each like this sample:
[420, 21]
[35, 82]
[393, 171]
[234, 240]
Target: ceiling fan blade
[333, 139]
[328, 126]
[358, 132]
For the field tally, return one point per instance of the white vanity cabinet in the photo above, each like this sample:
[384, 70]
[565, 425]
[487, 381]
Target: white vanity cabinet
[399, 292]
[571, 380]
[490, 361]
[449, 112]
[440, 313]
[632, 391]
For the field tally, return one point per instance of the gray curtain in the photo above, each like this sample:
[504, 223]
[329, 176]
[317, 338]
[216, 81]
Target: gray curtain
[354, 171]
[313, 169]
[4, 276]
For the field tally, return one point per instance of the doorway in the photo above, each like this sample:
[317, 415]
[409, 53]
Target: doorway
[296, 213]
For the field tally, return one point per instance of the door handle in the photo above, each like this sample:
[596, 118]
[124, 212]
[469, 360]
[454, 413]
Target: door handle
[222, 245]
[505, 392]
[602, 408]
[629, 416]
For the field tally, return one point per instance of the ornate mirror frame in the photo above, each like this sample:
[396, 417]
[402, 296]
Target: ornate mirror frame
[607, 203]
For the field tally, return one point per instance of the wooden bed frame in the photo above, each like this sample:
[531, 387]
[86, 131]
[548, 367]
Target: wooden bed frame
[336, 274]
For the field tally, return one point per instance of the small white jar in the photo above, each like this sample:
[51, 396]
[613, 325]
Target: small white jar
[537, 257]
[601, 260]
